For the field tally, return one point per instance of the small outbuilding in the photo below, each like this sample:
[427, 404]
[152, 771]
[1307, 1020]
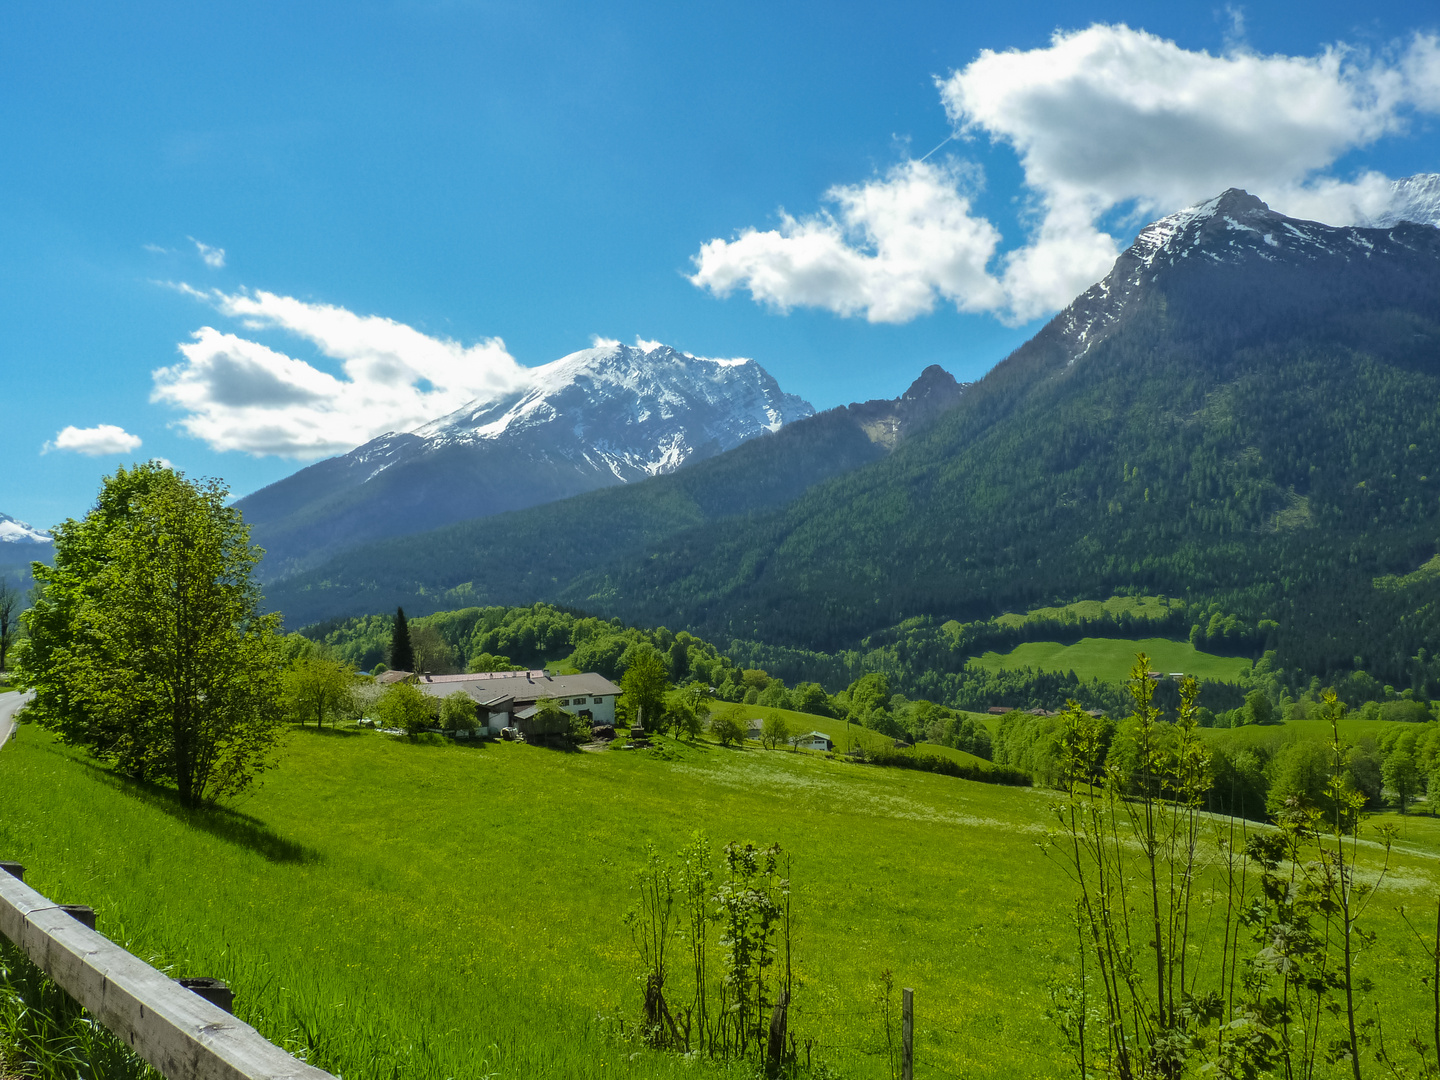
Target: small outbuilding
[816, 740]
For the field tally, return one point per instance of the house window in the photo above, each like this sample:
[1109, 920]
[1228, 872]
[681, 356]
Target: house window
[597, 701]
[564, 701]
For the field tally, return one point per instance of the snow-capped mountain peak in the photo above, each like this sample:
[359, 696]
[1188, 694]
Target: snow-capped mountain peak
[1235, 229]
[645, 407]
[601, 416]
[15, 531]
[1413, 198]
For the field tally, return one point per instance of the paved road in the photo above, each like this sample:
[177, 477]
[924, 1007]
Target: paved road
[10, 704]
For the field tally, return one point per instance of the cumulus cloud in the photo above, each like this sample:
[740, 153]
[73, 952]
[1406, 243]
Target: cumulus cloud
[213, 257]
[888, 250]
[1107, 122]
[238, 394]
[95, 441]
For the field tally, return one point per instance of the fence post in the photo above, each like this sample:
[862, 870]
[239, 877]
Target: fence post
[81, 913]
[907, 1034]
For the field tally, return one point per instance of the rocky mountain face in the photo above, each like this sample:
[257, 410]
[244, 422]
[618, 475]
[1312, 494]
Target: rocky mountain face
[1415, 198]
[599, 417]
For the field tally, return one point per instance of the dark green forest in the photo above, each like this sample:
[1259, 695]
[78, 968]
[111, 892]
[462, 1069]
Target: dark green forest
[1258, 439]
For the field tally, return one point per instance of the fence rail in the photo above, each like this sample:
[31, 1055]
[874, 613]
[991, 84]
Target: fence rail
[181, 1034]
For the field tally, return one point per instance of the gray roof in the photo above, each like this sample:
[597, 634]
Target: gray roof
[521, 687]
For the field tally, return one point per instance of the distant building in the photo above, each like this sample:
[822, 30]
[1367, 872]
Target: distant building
[507, 698]
[999, 710]
[816, 740]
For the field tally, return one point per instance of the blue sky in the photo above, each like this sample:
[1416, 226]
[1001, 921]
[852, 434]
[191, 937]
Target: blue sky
[447, 174]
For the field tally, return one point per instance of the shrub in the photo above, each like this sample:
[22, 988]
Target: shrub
[403, 705]
[1405, 712]
[457, 712]
[908, 759]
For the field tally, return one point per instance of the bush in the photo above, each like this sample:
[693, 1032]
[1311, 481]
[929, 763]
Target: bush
[403, 705]
[889, 757]
[457, 712]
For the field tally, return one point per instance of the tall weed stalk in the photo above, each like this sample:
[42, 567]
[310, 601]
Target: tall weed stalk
[1149, 1002]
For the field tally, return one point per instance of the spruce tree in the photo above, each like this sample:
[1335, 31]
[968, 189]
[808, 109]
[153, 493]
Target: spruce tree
[402, 653]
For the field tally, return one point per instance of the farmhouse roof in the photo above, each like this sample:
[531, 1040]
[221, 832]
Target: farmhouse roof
[523, 687]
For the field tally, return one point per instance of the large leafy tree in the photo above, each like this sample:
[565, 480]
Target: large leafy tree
[316, 687]
[644, 684]
[146, 642]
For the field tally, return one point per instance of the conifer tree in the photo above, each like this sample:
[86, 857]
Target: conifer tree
[402, 653]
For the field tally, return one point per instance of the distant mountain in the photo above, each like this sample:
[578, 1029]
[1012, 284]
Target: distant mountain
[21, 544]
[1415, 198]
[17, 535]
[1245, 412]
[595, 418]
[515, 556]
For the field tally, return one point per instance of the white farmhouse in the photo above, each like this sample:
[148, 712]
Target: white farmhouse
[500, 695]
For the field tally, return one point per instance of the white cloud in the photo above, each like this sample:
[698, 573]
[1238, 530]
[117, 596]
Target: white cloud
[237, 394]
[599, 342]
[1104, 120]
[95, 441]
[889, 249]
[213, 257]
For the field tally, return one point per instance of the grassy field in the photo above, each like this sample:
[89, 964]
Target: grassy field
[843, 735]
[400, 910]
[1140, 607]
[1109, 659]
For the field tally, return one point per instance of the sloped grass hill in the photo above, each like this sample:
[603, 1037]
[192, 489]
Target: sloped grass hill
[1110, 659]
[399, 910]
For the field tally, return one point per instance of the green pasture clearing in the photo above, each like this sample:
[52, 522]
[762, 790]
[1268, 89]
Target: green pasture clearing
[401, 910]
[1110, 659]
[1139, 607]
[843, 735]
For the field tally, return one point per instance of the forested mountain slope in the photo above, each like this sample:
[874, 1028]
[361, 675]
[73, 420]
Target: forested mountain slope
[1245, 410]
[527, 554]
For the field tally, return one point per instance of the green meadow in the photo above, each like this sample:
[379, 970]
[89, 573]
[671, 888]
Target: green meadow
[396, 909]
[1139, 607]
[1109, 659]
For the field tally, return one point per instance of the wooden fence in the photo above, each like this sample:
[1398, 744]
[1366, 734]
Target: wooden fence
[176, 1030]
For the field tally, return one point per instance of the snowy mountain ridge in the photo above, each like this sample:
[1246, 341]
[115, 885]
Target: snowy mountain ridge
[631, 411]
[605, 415]
[17, 532]
[1236, 228]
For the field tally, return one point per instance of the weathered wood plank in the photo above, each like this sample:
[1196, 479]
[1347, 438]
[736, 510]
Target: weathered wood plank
[178, 1032]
